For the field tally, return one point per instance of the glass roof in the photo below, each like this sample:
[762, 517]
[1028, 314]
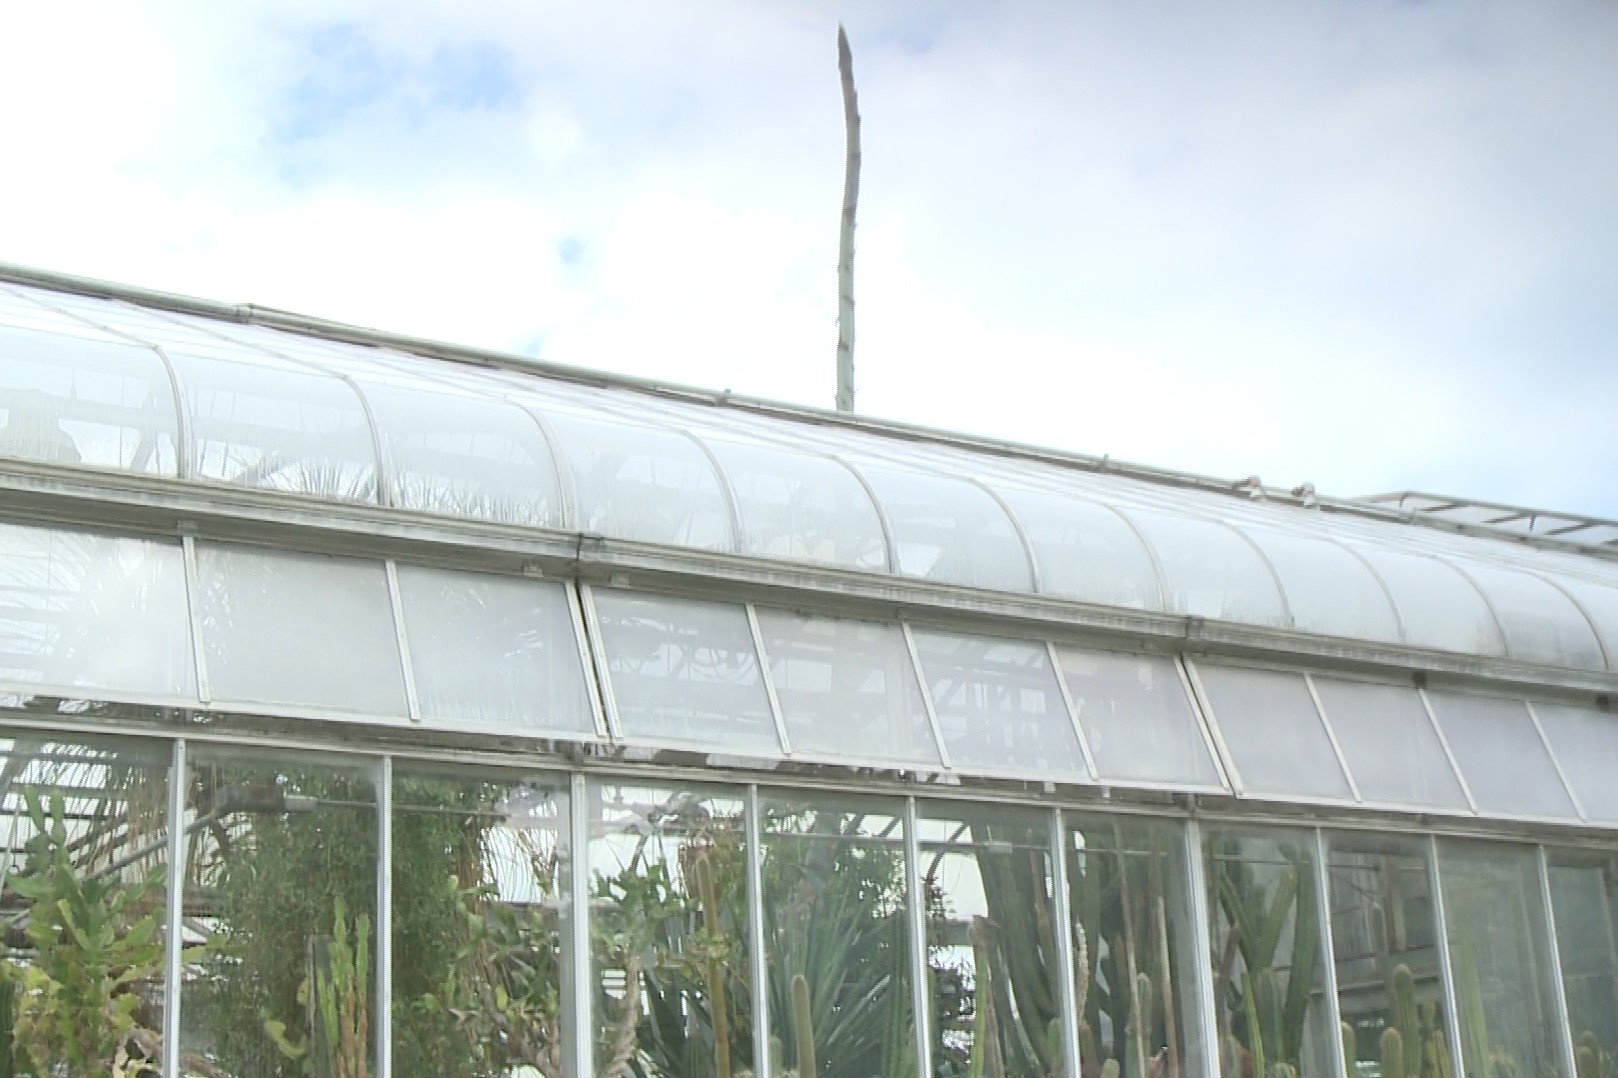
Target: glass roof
[104, 383]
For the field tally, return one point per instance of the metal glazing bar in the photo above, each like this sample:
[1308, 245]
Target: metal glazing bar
[916, 917]
[1331, 735]
[174, 921]
[1455, 768]
[758, 966]
[926, 696]
[1564, 1029]
[768, 682]
[193, 606]
[384, 917]
[1204, 723]
[1572, 794]
[1328, 953]
[1435, 884]
[1222, 756]
[1202, 940]
[577, 1036]
[412, 701]
[598, 652]
[1072, 712]
[1062, 914]
[586, 657]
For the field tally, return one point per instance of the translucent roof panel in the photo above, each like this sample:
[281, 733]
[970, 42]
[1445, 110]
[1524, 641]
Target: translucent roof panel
[643, 483]
[948, 530]
[1137, 719]
[1585, 742]
[1085, 550]
[70, 400]
[1392, 749]
[801, 506]
[1600, 603]
[298, 629]
[685, 673]
[272, 424]
[1272, 730]
[1209, 570]
[1328, 589]
[1541, 623]
[847, 690]
[1439, 607]
[499, 653]
[82, 611]
[999, 706]
[1501, 756]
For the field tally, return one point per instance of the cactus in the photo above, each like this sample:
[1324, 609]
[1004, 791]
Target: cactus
[803, 1030]
[718, 1010]
[1587, 1063]
[1255, 1034]
[1350, 1052]
[1406, 1018]
[1283, 1070]
[1469, 996]
[1393, 1053]
[1088, 1053]
[1137, 1056]
[1232, 1057]
[1109, 1069]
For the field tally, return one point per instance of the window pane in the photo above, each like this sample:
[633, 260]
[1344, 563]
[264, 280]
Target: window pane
[991, 951]
[1137, 718]
[1273, 732]
[836, 935]
[494, 651]
[669, 931]
[1498, 957]
[1268, 976]
[67, 400]
[85, 868]
[1384, 933]
[1585, 742]
[94, 612]
[281, 895]
[999, 706]
[1328, 589]
[1584, 903]
[1501, 756]
[1131, 906]
[847, 689]
[1439, 607]
[1085, 551]
[480, 884]
[949, 530]
[685, 672]
[1541, 623]
[299, 629]
[1392, 750]
[1210, 571]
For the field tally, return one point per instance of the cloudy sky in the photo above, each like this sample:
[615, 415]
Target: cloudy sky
[1366, 244]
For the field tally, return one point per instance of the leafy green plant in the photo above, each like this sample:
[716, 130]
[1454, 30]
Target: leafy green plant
[338, 1000]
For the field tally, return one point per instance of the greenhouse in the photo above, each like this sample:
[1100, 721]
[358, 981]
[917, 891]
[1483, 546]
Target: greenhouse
[375, 707]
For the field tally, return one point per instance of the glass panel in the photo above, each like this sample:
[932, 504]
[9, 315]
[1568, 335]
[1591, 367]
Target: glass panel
[480, 885]
[1585, 742]
[1328, 589]
[1501, 756]
[1210, 571]
[494, 651]
[836, 937]
[1384, 933]
[1137, 718]
[94, 612]
[1273, 732]
[1584, 905]
[1497, 953]
[669, 932]
[299, 629]
[1541, 623]
[280, 899]
[85, 869]
[991, 952]
[949, 530]
[999, 707]
[1439, 607]
[685, 671]
[847, 689]
[280, 427]
[465, 456]
[800, 506]
[641, 483]
[1601, 603]
[1085, 551]
[1268, 977]
[1392, 750]
[1131, 907]
[66, 400]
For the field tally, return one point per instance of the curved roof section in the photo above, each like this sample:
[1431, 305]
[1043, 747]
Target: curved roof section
[101, 381]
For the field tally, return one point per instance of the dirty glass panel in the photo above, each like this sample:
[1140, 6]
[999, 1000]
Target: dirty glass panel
[280, 900]
[847, 689]
[1439, 607]
[1273, 732]
[685, 672]
[493, 651]
[300, 629]
[1584, 905]
[991, 946]
[1384, 932]
[1209, 570]
[88, 611]
[1585, 741]
[1328, 590]
[1085, 551]
[1500, 960]
[1600, 601]
[1137, 718]
[999, 707]
[85, 868]
[1541, 623]
[69, 400]
[669, 929]
[1501, 756]
[481, 981]
[836, 937]
[1392, 750]
[1269, 980]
